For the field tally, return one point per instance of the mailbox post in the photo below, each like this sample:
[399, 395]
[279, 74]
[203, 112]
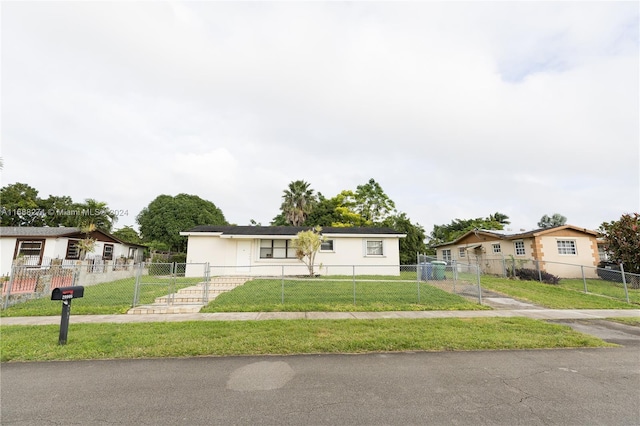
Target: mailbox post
[66, 294]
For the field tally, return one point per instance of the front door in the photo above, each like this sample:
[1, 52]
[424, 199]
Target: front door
[243, 256]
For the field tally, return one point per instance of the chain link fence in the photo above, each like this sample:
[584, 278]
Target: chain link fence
[344, 285]
[610, 280]
[118, 287]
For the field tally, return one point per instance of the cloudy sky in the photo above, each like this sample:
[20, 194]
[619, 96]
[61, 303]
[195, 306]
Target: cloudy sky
[457, 109]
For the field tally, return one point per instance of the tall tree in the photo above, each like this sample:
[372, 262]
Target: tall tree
[19, 205]
[372, 202]
[128, 235]
[166, 216]
[97, 213]
[59, 211]
[549, 222]
[501, 218]
[297, 202]
[622, 241]
[413, 243]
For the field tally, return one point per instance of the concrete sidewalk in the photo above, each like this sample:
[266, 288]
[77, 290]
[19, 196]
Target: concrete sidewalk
[542, 314]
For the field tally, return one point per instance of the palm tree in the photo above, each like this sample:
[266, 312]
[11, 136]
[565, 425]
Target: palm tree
[298, 201]
[502, 219]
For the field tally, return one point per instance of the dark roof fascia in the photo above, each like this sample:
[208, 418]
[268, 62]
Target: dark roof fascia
[288, 230]
[521, 235]
[54, 232]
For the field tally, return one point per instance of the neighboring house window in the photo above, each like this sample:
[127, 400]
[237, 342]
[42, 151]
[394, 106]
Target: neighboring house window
[73, 251]
[107, 252]
[567, 247]
[326, 245]
[519, 248]
[496, 248]
[30, 250]
[446, 255]
[374, 248]
[462, 252]
[277, 249]
[602, 253]
[132, 252]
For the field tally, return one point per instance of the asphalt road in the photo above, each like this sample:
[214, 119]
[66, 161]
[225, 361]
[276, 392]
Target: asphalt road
[532, 387]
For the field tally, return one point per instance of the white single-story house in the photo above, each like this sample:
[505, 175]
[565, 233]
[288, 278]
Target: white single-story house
[558, 250]
[268, 251]
[37, 246]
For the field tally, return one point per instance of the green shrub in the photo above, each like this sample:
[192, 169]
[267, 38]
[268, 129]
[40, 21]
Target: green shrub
[534, 275]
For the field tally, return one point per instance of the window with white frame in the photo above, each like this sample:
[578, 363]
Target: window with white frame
[496, 248]
[374, 248]
[30, 251]
[73, 250]
[567, 247]
[107, 252]
[462, 251]
[446, 255]
[277, 249]
[327, 245]
[519, 245]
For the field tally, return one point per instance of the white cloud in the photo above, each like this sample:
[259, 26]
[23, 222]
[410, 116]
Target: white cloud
[457, 109]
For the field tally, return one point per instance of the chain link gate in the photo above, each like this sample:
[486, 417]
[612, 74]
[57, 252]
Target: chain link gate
[184, 284]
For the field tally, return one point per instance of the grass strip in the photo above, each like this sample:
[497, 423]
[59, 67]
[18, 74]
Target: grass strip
[624, 320]
[203, 338]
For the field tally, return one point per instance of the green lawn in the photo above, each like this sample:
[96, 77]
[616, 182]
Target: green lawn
[114, 297]
[337, 294]
[202, 338]
[567, 295]
[602, 287]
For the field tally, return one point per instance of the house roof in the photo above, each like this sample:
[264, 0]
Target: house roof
[49, 232]
[504, 235]
[32, 231]
[288, 230]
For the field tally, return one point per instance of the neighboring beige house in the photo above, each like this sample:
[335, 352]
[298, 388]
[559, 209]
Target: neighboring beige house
[557, 250]
[267, 250]
[37, 246]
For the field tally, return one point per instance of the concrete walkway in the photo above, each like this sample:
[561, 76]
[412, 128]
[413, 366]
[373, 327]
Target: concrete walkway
[537, 313]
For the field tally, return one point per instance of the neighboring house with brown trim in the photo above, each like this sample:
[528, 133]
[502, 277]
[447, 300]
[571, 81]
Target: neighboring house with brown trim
[37, 246]
[268, 250]
[554, 249]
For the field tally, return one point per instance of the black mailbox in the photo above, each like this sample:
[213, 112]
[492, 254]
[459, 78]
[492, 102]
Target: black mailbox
[66, 293]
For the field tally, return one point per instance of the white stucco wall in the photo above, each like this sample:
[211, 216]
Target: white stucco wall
[7, 248]
[223, 256]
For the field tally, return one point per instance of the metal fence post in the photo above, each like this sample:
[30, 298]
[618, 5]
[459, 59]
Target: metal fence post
[207, 280]
[282, 286]
[353, 274]
[539, 272]
[504, 267]
[584, 279]
[455, 276]
[479, 286]
[624, 281]
[418, 280]
[136, 288]
[9, 286]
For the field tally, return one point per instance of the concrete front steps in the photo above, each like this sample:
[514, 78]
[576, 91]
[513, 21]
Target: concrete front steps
[189, 299]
